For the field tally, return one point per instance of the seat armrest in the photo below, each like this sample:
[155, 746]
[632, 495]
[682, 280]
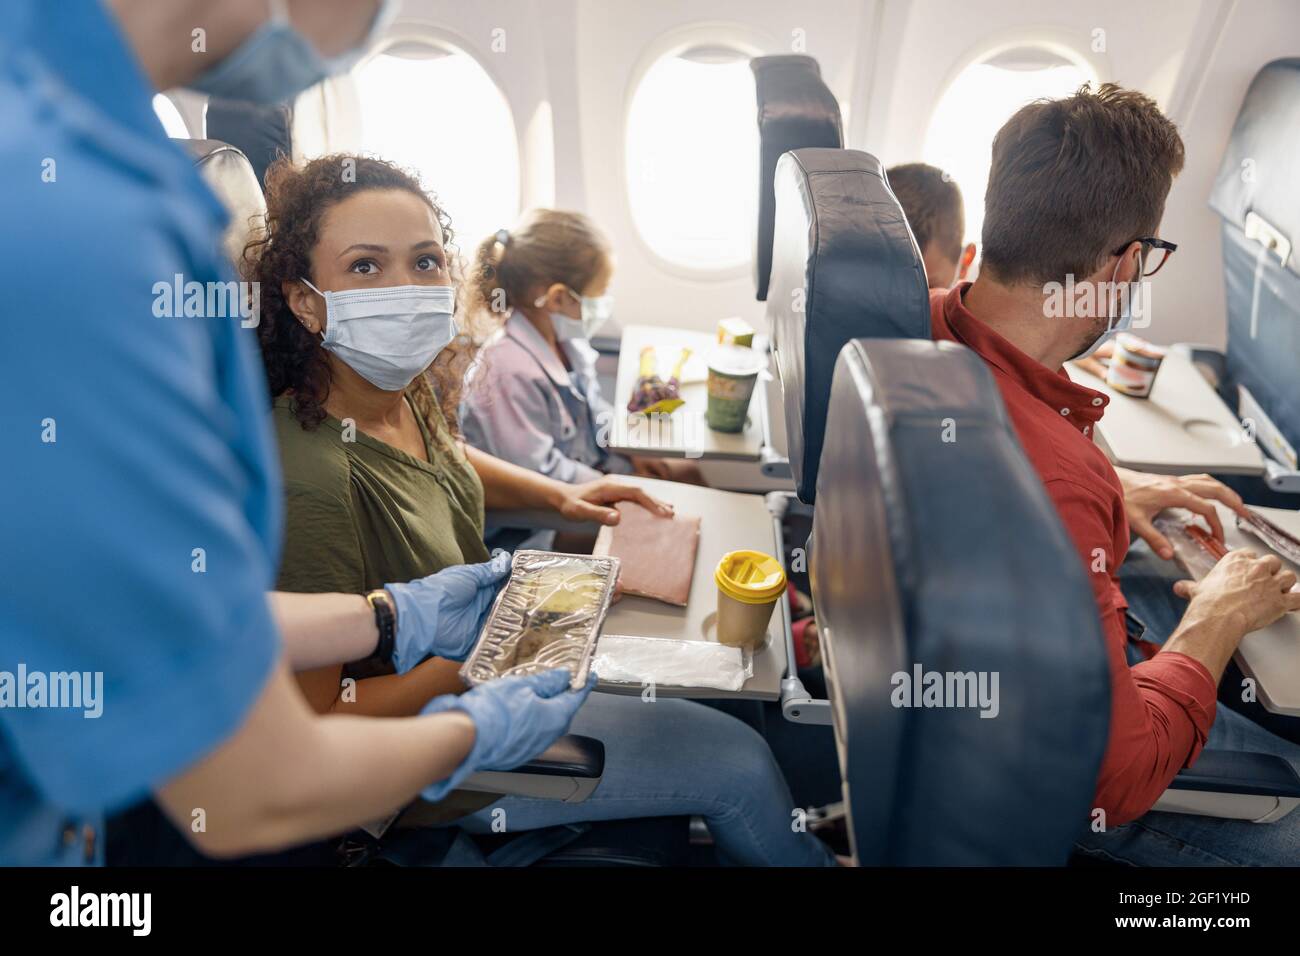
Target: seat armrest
[1234, 771]
[1234, 785]
[569, 770]
[536, 518]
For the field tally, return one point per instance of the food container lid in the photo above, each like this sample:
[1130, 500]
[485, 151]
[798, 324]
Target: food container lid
[750, 577]
[736, 360]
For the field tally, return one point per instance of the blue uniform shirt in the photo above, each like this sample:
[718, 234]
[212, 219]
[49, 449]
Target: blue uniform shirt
[139, 494]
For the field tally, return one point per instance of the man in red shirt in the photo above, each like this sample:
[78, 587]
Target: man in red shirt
[1076, 193]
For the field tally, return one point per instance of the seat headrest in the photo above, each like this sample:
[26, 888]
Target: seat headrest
[844, 266]
[262, 132]
[795, 109]
[1258, 171]
[228, 173]
[935, 546]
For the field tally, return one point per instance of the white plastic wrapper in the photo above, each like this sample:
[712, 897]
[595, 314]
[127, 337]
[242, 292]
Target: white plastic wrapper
[548, 615]
[671, 663]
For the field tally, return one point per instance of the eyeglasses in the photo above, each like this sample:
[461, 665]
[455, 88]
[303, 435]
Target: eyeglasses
[1155, 253]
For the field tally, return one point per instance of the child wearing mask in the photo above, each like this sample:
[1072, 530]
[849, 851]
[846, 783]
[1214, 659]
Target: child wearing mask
[535, 399]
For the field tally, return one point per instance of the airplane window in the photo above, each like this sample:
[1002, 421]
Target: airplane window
[979, 101]
[691, 161]
[170, 117]
[438, 113]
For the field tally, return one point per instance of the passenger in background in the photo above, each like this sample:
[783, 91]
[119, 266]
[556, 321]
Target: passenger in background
[379, 484]
[1076, 193]
[534, 399]
[933, 204]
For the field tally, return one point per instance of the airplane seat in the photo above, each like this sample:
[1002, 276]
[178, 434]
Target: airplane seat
[936, 550]
[1257, 195]
[795, 110]
[937, 555]
[845, 265]
[262, 133]
[229, 174]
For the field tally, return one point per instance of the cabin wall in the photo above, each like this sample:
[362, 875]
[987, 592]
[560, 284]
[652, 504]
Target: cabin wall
[1244, 36]
[568, 69]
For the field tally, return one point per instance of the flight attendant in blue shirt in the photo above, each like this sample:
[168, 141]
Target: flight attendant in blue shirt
[140, 650]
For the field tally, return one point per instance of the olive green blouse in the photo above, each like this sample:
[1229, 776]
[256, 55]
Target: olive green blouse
[361, 514]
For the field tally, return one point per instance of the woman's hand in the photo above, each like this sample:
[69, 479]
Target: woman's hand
[589, 501]
[1145, 496]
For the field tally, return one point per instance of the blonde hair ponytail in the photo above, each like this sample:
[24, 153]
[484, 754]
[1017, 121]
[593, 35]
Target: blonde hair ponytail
[547, 245]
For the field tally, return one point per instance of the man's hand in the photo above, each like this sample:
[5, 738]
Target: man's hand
[588, 501]
[1243, 589]
[1145, 496]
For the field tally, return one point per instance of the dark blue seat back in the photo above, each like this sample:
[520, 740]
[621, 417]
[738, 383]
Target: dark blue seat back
[1257, 194]
[844, 265]
[262, 133]
[795, 109]
[935, 545]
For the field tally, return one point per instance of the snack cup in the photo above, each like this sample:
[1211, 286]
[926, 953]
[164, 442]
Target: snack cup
[733, 370]
[1134, 363]
[749, 585]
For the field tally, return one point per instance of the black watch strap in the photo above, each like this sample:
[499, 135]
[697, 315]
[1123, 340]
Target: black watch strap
[385, 621]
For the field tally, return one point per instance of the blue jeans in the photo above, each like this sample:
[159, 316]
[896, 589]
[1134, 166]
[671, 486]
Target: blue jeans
[1180, 839]
[678, 758]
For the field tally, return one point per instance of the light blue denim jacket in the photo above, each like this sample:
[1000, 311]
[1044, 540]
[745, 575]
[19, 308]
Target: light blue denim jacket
[522, 405]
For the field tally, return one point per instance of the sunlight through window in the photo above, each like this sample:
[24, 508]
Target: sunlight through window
[170, 117]
[979, 101]
[692, 159]
[440, 114]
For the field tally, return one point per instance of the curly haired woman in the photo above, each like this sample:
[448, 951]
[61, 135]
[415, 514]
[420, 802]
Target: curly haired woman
[365, 366]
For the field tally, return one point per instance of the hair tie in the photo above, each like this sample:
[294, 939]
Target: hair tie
[502, 238]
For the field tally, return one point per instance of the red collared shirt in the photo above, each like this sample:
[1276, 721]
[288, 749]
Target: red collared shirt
[1161, 709]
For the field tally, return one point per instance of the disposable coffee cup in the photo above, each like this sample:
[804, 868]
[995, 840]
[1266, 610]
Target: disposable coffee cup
[733, 370]
[1134, 363]
[749, 585]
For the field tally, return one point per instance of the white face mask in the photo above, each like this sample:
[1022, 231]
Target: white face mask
[388, 336]
[1115, 324]
[596, 310]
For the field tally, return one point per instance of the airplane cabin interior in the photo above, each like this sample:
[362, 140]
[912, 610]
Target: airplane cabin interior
[699, 435]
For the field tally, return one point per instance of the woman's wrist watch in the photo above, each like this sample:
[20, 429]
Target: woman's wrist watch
[381, 602]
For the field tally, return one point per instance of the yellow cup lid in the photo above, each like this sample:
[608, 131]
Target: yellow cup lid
[750, 577]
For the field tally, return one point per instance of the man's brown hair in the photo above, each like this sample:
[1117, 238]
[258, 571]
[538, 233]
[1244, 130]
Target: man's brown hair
[1074, 179]
[932, 203]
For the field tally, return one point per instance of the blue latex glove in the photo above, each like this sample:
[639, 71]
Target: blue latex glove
[515, 719]
[443, 613]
